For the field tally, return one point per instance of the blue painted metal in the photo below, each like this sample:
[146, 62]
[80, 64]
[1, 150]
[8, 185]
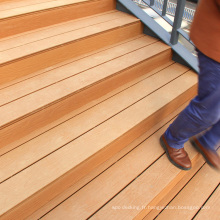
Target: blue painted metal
[170, 9]
[151, 2]
[152, 28]
[177, 21]
[155, 8]
[164, 11]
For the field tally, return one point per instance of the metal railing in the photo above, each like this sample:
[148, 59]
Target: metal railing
[188, 14]
[152, 28]
[179, 11]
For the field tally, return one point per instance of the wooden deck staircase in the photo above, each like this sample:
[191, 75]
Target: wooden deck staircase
[84, 98]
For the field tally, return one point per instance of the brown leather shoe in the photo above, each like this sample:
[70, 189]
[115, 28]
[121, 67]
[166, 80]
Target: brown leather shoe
[211, 156]
[178, 157]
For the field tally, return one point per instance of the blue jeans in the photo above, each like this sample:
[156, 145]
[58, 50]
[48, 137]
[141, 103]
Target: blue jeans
[203, 112]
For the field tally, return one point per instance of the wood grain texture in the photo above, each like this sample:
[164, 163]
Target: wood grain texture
[45, 127]
[66, 62]
[211, 209]
[194, 194]
[45, 59]
[57, 29]
[16, 25]
[57, 166]
[103, 167]
[111, 182]
[65, 106]
[40, 6]
[141, 191]
[48, 78]
[27, 154]
[152, 212]
[11, 4]
[65, 88]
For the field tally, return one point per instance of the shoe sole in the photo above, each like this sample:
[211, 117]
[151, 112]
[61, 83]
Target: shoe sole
[168, 156]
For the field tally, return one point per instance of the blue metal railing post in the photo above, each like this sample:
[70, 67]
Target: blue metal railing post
[151, 2]
[164, 7]
[177, 21]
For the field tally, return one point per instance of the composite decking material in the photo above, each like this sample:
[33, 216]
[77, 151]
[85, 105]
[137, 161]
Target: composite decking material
[84, 98]
[17, 19]
[38, 148]
[29, 55]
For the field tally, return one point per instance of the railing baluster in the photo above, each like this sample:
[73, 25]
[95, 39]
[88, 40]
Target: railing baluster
[177, 21]
[164, 7]
[151, 2]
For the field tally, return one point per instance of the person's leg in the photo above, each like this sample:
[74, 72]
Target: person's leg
[203, 111]
[207, 145]
[211, 139]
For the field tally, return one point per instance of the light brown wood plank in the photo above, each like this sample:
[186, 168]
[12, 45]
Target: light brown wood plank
[55, 30]
[37, 7]
[70, 191]
[64, 38]
[18, 140]
[19, 24]
[151, 212]
[129, 202]
[11, 4]
[194, 194]
[91, 197]
[39, 61]
[27, 154]
[211, 208]
[45, 97]
[53, 166]
[66, 62]
[50, 77]
[65, 107]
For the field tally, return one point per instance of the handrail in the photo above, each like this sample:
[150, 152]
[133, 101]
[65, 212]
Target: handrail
[181, 54]
[167, 7]
[176, 25]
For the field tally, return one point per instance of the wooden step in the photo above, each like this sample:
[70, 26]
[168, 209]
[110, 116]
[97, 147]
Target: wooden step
[23, 55]
[83, 84]
[70, 162]
[103, 167]
[12, 4]
[22, 157]
[154, 181]
[189, 201]
[89, 199]
[211, 209]
[24, 15]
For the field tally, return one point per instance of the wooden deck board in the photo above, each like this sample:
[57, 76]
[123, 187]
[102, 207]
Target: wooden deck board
[100, 169]
[55, 41]
[55, 30]
[34, 150]
[56, 75]
[194, 194]
[211, 207]
[93, 196]
[12, 4]
[48, 58]
[66, 106]
[14, 21]
[54, 166]
[55, 92]
[66, 62]
[44, 5]
[139, 193]
[10, 144]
